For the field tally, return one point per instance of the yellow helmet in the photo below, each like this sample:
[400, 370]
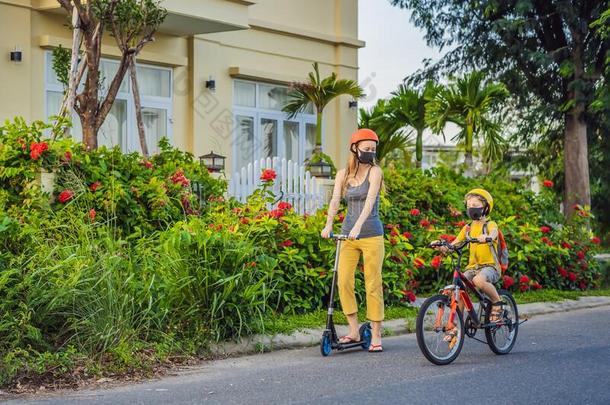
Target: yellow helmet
[486, 196]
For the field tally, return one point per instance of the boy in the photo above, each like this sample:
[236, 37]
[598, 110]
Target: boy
[482, 269]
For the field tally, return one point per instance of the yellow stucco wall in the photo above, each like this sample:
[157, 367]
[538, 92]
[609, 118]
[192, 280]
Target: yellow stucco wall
[285, 38]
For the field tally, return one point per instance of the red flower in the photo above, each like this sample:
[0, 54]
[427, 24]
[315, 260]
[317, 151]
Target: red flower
[524, 279]
[287, 243]
[546, 240]
[244, 221]
[415, 212]
[409, 295]
[37, 149]
[582, 285]
[341, 217]
[68, 155]
[524, 287]
[460, 224]
[395, 232]
[277, 213]
[566, 245]
[419, 262]
[580, 254]
[393, 241]
[545, 229]
[268, 175]
[407, 234]
[92, 214]
[180, 178]
[547, 183]
[436, 262]
[563, 272]
[507, 282]
[94, 186]
[595, 240]
[448, 238]
[284, 206]
[572, 276]
[424, 223]
[147, 164]
[66, 196]
[536, 286]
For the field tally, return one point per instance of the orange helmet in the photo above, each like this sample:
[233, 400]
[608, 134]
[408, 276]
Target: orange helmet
[364, 134]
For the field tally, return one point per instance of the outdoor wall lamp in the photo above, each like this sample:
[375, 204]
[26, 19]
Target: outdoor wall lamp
[353, 104]
[16, 55]
[210, 84]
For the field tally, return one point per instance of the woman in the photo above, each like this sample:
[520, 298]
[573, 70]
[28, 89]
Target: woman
[359, 183]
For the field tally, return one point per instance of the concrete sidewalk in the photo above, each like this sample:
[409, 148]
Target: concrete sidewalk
[311, 337]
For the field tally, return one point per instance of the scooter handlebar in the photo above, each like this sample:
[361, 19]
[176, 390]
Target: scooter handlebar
[339, 236]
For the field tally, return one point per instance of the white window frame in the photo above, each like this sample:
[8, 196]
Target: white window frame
[260, 113]
[131, 140]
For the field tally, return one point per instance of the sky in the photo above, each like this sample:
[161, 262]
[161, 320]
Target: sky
[394, 49]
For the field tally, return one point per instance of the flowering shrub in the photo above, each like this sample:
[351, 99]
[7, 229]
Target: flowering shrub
[176, 266]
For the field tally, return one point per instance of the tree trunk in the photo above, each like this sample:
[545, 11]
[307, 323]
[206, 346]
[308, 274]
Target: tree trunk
[575, 150]
[468, 150]
[576, 163]
[318, 147]
[419, 148]
[138, 104]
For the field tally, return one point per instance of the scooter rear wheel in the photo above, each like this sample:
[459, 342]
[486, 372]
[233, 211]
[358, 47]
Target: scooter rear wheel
[366, 335]
[326, 346]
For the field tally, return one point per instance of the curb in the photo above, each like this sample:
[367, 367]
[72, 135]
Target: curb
[395, 327]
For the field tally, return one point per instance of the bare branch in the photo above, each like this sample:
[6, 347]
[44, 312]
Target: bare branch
[113, 90]
[66, 4]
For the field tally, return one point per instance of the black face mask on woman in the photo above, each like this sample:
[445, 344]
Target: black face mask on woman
[366, 157]
[475, 213]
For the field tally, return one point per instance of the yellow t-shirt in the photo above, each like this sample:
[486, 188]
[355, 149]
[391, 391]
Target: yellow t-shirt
[480, 253]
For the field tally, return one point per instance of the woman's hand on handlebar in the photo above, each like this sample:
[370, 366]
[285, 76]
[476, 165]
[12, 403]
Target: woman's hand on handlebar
[326, 232]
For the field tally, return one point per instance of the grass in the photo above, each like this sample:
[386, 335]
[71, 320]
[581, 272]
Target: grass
[557, 295]
[286, 324]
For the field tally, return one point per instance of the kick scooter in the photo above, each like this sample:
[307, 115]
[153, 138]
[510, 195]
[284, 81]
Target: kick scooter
[330, 340]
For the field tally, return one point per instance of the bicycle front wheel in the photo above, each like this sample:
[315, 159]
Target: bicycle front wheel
[439, 344]
[502, 337]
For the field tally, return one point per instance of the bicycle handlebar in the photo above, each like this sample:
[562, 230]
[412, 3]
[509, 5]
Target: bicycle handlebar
[458, 247]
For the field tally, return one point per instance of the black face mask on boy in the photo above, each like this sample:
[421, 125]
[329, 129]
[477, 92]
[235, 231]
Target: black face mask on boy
[476, 213]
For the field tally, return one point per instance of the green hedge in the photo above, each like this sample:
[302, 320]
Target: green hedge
[123, 255]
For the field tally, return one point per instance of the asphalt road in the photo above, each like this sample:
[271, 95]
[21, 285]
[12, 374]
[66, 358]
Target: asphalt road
[562, 358]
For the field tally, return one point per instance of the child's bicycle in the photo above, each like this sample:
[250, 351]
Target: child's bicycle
[440, 314]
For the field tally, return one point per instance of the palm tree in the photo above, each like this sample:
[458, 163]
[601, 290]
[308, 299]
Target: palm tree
[407, 107]
[392, 135]
[319, 92]
[470, 103]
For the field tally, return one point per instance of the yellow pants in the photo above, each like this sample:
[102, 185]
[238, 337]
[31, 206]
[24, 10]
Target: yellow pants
[373, 251]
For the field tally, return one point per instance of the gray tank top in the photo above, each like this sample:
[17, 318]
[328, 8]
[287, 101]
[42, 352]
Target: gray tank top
[355, 197]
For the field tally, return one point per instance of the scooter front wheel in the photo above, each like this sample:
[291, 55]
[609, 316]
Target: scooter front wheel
[326, 346]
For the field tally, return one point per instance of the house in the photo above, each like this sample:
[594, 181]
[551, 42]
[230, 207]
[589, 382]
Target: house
[215, 79]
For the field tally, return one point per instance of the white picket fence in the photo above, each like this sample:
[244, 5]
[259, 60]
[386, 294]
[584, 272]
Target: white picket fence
[293, 184]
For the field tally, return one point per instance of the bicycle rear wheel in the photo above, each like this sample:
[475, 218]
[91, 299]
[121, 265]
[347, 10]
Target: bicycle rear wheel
[502, 338]
[431, 329]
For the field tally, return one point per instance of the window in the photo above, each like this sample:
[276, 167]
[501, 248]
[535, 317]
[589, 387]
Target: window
[263, 130]
[120, 127]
